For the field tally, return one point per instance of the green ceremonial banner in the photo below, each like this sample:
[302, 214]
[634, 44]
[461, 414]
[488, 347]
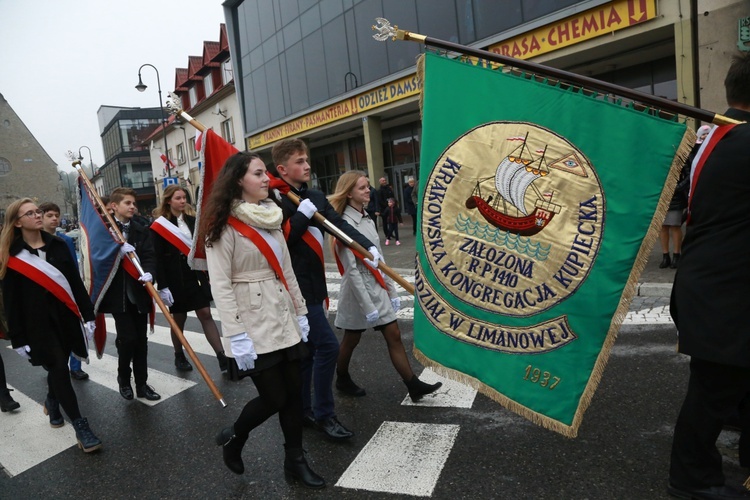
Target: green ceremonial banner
[538, 209]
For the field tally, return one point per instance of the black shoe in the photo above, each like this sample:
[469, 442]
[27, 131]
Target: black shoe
[79, 374]
[7, 403]
[332, 428]
[146, 391]
[126, 390]
[713, 492]
[665, 261]
[181, 362]
[675, 258]
[296, 466]
[87, 441]
[231, 449]
[346, 385]
[223, 361]
[52, 409]
[308, 420]
[417, 388]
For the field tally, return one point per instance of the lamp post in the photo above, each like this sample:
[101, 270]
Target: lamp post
[91, 160]
[141, 88]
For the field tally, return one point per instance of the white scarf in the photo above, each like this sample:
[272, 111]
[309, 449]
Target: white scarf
[265, 215]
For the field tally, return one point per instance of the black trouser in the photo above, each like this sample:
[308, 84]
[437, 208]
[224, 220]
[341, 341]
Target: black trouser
[279, 391]
[132, 345]
[58, 382]
[391, 230]
[714, 393]
[3, 381]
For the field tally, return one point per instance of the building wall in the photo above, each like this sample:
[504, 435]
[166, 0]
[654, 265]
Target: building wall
[33, 173]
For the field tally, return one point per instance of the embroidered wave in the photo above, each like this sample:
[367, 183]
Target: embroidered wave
[521, 244]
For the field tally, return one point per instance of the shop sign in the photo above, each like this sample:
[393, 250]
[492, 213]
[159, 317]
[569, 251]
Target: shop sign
[743, 34]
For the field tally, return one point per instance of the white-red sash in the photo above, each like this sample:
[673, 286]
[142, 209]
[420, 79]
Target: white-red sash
[164, 228]
[268, 246]
[376, 274]
[45, 275]
[709, 143]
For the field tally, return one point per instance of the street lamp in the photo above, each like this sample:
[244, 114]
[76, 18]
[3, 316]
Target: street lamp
[91, 160]
[141, 88]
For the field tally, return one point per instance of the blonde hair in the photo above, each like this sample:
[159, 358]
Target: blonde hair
[164, 209]
[340, 197]
[10, 232]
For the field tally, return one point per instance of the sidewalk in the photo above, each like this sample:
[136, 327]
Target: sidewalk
[654, 282]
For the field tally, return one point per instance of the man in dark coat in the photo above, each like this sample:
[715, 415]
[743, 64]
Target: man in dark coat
[129, 302]
[384, 192]
[292, 165]
[409, 206]
[709, 301]
[372, 208]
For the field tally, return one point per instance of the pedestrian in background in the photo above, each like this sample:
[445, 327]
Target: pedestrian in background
[410, 206]
[372, 206]
[46, 315]
[261, 309]
[392, 217]
[384, 192]
[709, 299]
[367, 299]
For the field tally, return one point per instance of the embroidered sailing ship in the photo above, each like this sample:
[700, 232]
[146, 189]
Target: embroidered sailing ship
[515, 175]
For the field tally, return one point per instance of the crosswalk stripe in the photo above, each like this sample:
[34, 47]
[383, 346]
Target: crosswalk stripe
[104, 372]
[27, 438]
[451, 395]
[402, 458]
[163, 336]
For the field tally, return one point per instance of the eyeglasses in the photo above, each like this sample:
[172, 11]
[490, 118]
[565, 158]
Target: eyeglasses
[32, 213]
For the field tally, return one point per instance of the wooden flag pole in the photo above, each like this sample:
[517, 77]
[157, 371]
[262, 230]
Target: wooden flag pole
[174, 105]
[149, 287]
[385, 31]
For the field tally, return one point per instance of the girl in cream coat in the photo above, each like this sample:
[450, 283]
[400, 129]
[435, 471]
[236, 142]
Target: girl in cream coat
[365, 299]
[261, 309]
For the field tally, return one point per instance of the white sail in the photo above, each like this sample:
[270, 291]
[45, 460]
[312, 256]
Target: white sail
[512, 180]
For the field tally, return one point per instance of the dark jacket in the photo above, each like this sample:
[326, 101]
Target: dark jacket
[709, 297]
[384, 193]
[679, 200]
[409, 206]
[36, 317]
[308, 269]
[392, 214]
[125, 288]
[372, 206]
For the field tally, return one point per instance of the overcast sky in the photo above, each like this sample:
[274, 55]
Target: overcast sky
[62, 59]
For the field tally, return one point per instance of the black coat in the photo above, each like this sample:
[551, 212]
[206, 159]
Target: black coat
[125, 288]
[709, 297]
[384, 193]
[36, 317]
[308, 269]
[409, 206]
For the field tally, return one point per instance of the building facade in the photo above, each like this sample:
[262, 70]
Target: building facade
[311, 69]
[206, 91]
[26, 170]
[127, 157]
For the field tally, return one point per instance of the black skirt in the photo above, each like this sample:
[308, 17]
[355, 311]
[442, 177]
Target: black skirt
[268, 360]
[193, 293]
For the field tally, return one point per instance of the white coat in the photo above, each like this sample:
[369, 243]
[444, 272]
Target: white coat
[360, 293]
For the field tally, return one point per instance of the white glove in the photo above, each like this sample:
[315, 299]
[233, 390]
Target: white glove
[304, 327]
[373, 316]
[375, 257]
[146, 278]
[126, 248]
[166, 296]
[243, 351]
[396, 303]
[308, 208]
[90, 327]
[24, 351]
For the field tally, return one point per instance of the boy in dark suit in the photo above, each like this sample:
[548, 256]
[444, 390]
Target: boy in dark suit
[127, 299]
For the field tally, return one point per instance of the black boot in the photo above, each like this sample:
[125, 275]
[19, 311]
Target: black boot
[296, 466]
[7, 403]
[231, 449]
[181, 362]
[52, 409]
[345, 384]
[87, 441]
[223, 361]
[675, 258]
[417, 388]
[664, 261]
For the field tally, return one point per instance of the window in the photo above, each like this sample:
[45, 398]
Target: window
[193, 152]
[226, 72]
[180, 153]
[193, 93]
[227, 131]
[208, 84]
[4, 166]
